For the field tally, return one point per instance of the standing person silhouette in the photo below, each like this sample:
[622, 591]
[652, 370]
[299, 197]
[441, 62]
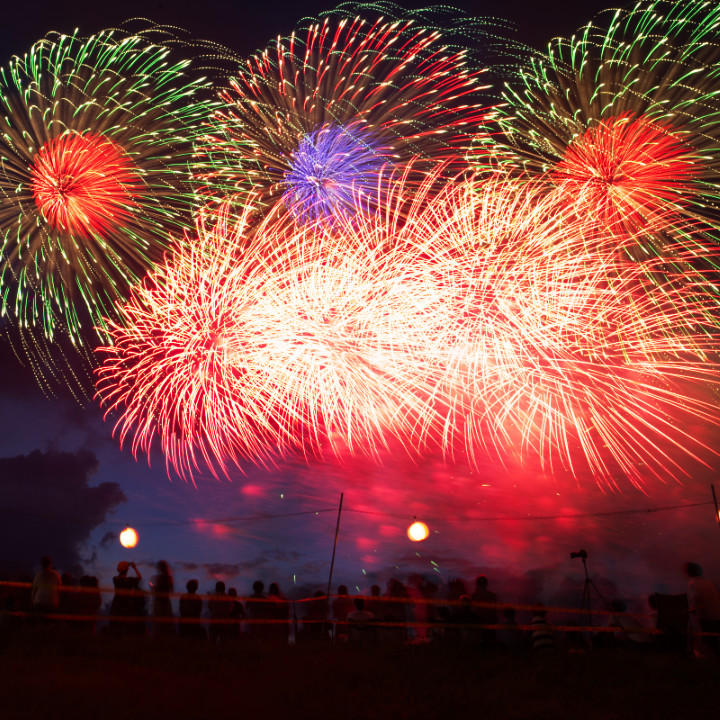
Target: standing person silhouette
[341, 606]
[162, 586]
[487, 611]
[259, 611]
[279, 613]
[220, 605]
[542, 637]
[237, 615]
[45, 593]
[128, 601]
[704, 598]
[191, 605]
[89, 603]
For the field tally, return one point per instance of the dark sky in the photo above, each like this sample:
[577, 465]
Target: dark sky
[250, 527]
[245, 26]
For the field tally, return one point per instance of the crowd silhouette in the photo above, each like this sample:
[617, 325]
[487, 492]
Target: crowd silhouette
[417, 611]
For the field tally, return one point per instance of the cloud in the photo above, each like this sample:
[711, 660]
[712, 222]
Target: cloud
[109, 540]
[187, 566]
[49, 507]
[219, 571]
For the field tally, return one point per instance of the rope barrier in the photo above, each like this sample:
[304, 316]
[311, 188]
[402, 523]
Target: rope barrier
[288, 607]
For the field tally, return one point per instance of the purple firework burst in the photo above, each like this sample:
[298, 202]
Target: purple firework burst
[333, 166]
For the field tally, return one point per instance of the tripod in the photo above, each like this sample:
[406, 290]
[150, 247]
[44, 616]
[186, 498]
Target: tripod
[589, 585]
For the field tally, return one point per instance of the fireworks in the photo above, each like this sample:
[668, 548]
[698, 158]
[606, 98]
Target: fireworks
[329, 170]
[167, 362]
[560, 349]
[625, 116]
[347, 288]
[310, 123]
[627, 173]
[230, 354]
[83, 185]
[477, 320]
[95, 135]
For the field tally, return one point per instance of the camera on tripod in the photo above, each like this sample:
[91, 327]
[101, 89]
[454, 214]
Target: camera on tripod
[588, 586]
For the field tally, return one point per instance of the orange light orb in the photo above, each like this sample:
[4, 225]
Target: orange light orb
[128, 538]
[418, 531]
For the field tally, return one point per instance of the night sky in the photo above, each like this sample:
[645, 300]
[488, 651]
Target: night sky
[277, 524]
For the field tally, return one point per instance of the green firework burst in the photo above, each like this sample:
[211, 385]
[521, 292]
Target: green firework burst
[95, 138]
[626, 113]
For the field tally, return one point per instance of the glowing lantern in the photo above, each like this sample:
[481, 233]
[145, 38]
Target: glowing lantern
[128, 538]
[418, 531]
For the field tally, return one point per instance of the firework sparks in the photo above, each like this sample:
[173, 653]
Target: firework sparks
[564, 351]
[329, 170]
[477, 320]
[627, 173]
[625, 117]
[229, 354]
[315, 118]
[83, 185]
[95, 135]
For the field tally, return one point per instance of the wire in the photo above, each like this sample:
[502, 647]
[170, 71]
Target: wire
[397, 516]
[636, 511]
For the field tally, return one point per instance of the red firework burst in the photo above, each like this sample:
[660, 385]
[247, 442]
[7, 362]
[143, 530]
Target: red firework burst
[343, 99]
[84, 184]
[627, 173]
[485, 319]
[226, 354]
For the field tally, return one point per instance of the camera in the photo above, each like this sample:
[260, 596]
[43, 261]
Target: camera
[580, 554]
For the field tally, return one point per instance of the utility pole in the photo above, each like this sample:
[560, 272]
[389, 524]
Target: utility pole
[332, 565]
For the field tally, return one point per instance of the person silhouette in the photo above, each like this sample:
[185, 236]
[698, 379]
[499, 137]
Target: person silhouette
[542, 637]
[128, 601]
[509, 634]
[237, 614]
[375, 604]
[486, 610]
[279, 613]
[220, 606]
[314, 620]
[342, 605]
[162, 587]
[467, 621]
[704, 600]
[191, 605]
[360, 623]
[45, 592]
[89, 601]
[257, 608]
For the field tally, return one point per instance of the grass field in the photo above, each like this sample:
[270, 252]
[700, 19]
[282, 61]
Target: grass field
[45, 676]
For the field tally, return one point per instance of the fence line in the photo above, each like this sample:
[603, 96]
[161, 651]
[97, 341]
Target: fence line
[250, 600]
[290, 609]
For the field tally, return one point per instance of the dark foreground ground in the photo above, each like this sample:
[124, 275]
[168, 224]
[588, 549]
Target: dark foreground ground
[105, 678]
